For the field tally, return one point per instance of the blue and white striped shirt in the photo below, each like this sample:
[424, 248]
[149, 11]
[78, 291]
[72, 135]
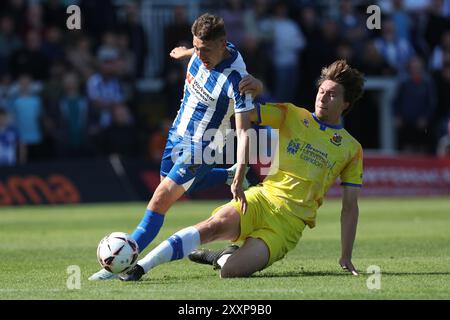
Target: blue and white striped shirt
[211, 97]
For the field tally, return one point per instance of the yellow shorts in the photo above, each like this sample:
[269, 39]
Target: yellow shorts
[267, 220]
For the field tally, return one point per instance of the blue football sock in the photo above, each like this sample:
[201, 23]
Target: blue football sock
[215, 177]
[148, 228]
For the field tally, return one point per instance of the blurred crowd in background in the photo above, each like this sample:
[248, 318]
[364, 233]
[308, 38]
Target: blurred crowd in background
[67, 94]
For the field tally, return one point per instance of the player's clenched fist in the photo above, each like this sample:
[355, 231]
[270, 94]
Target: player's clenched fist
[181, 52]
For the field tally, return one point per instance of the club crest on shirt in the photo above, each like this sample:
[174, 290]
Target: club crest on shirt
[336, 139]
[306, 122]
[293, 147]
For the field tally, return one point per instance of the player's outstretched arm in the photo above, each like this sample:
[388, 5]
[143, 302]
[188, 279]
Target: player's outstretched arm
[242, 127]
[179, 53]
[349, 221]
[250, 84]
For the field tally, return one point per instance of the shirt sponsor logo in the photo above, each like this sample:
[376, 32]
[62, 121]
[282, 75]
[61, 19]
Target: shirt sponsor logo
[293, 147]
[198, 90]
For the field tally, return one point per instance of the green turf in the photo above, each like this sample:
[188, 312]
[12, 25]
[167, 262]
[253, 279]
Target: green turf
[408, 239]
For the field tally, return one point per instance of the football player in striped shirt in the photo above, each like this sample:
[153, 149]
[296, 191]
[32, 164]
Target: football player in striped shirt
[214, 90]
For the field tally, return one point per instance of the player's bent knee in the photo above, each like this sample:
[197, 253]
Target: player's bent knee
[218, 228]
[228, 223]
[208, 230]
[253, 256]
[228, 214]
[234, 271]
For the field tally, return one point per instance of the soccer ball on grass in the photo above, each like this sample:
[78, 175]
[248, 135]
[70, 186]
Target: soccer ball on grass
[117, 252]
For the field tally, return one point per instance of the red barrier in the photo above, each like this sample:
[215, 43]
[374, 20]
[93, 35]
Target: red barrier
[403, 176]
[96, 181]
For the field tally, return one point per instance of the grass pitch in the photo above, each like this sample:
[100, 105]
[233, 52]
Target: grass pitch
[408, 239]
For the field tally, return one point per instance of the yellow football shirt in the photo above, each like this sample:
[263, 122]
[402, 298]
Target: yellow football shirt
[311, 155]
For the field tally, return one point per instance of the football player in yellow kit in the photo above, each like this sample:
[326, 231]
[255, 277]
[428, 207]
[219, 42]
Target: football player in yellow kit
[314, 149]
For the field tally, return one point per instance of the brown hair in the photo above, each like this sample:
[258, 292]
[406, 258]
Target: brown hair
[351, 79]
[208, 27]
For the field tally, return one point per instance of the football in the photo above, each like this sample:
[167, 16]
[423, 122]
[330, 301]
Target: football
[117, 252]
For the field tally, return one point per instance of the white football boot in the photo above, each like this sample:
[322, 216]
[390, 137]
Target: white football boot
[103, 274]
[232, 172]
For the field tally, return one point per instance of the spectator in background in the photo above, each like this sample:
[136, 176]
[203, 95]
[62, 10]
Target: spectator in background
[348, 18]
[441, 52]
[23, 23]
[109, 41]
[50, 94]
[9, 42]
[120, 138]
[5, 89]
[288, 41]
[309, 22]
[98, 17]
[30, 59]
[73, 119]
[27, 113]
[257, 45]
[443, 147]
[414, 108]
[33, 20]
[53, 47]
[256, 20]
[138, 40]
[127, 59]
[255, 57]
[54, 13]
[11, 149]
[158, 140]
[233, 15]
[104, 90]
[373, 63]
[436, 24]
[17, 10]
[397, 52]
[416, 28]
[175, 76]
[442, 82]
[52, 89]
[315, 57]
[352, 25]
[345, 51]
[177, 33]
[402, 20]
[80, 57]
